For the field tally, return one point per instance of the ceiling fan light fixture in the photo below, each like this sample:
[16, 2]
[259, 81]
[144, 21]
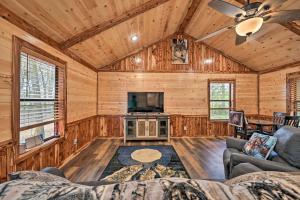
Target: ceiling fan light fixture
[249, 26]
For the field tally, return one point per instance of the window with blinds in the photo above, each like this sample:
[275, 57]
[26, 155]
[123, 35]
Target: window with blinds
[221, 99]
[293, 94]
[41, 98]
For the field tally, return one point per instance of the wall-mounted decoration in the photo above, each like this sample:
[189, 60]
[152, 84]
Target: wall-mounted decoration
[180, 51]
[236, 118]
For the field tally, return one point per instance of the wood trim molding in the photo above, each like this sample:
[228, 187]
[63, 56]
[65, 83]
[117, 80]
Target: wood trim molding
[189, 15]
[281, 67]
[80, 121]
[111, 23]
[209, 81]
[18, 45]
[6, 143]
[32, 30]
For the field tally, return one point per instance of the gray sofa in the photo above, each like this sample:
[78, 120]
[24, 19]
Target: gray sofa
[284, 158]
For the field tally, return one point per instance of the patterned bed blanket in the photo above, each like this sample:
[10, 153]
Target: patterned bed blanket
[261, 185]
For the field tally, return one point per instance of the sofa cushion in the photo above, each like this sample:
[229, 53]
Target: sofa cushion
[288, 144]
[260, 145]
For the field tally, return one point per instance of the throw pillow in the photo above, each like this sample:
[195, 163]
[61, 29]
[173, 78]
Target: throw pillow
[260, 146]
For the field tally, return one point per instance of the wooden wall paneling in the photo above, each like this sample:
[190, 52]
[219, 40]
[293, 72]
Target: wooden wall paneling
[81, 81]
[110, 126]
[7, 155]
[3, 164]
[272, 90]
[185, 93]
[176, 126]
[157, 58]
[53, 153]
[180, 126]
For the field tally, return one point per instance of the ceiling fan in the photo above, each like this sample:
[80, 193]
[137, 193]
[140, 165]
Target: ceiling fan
[250, 18]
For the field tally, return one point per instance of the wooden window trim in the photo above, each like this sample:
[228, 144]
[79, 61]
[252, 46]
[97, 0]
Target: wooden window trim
[19, 46]
[289, 77]
[209, 81]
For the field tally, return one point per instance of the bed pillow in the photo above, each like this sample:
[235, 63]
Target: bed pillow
[260, 145]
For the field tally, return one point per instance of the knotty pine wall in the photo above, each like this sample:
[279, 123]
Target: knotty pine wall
[81, 81]
[157, 58]
[184, 93]
[272, 91]
[81, 109]
[185, 100]
[185, 88]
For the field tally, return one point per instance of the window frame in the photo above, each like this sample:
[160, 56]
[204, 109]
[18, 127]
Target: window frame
[232, 101]
[290, 77]
[20, 46]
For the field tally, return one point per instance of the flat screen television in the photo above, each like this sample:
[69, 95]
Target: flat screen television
[145, 102]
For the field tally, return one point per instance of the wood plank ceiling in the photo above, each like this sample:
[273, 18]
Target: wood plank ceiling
[151, 20]
[274, 45]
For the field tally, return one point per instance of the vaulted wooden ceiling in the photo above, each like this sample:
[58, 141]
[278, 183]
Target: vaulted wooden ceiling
[98, 31]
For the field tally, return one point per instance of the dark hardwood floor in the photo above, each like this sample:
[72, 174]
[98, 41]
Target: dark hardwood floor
[202, 157]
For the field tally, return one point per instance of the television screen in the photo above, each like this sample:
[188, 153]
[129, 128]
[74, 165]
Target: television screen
[145, 102]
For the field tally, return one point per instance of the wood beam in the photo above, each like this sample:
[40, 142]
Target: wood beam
[281, 67]
[32, 30]
[292, 26]
[189, 15]
[111, 23]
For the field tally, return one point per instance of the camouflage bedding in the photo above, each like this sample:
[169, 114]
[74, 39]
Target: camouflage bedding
[261, 185]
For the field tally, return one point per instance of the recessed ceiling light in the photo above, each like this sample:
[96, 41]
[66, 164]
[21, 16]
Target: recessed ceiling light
[134, 38]
[138, 60]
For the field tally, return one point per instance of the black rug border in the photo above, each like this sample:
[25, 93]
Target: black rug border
[189, 177]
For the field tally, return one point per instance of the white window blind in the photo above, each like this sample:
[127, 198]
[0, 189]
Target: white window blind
[41, 92]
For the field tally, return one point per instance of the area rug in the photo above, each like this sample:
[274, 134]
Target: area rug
[143, 163]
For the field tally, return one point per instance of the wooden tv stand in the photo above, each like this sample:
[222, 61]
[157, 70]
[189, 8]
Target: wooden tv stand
[146, 126]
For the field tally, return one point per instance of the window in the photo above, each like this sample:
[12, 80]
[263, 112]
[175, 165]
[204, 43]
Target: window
[293, 94]
[221, 99]
[40, 96]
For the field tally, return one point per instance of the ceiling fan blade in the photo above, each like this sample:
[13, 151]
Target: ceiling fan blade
[283, 16]
[226, 8]
[270, 5]
[216, 33]
[240, 39]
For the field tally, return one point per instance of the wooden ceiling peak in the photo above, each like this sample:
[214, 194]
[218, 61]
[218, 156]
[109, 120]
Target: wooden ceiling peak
[111, 23]
[190, 13]
[22, 24]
